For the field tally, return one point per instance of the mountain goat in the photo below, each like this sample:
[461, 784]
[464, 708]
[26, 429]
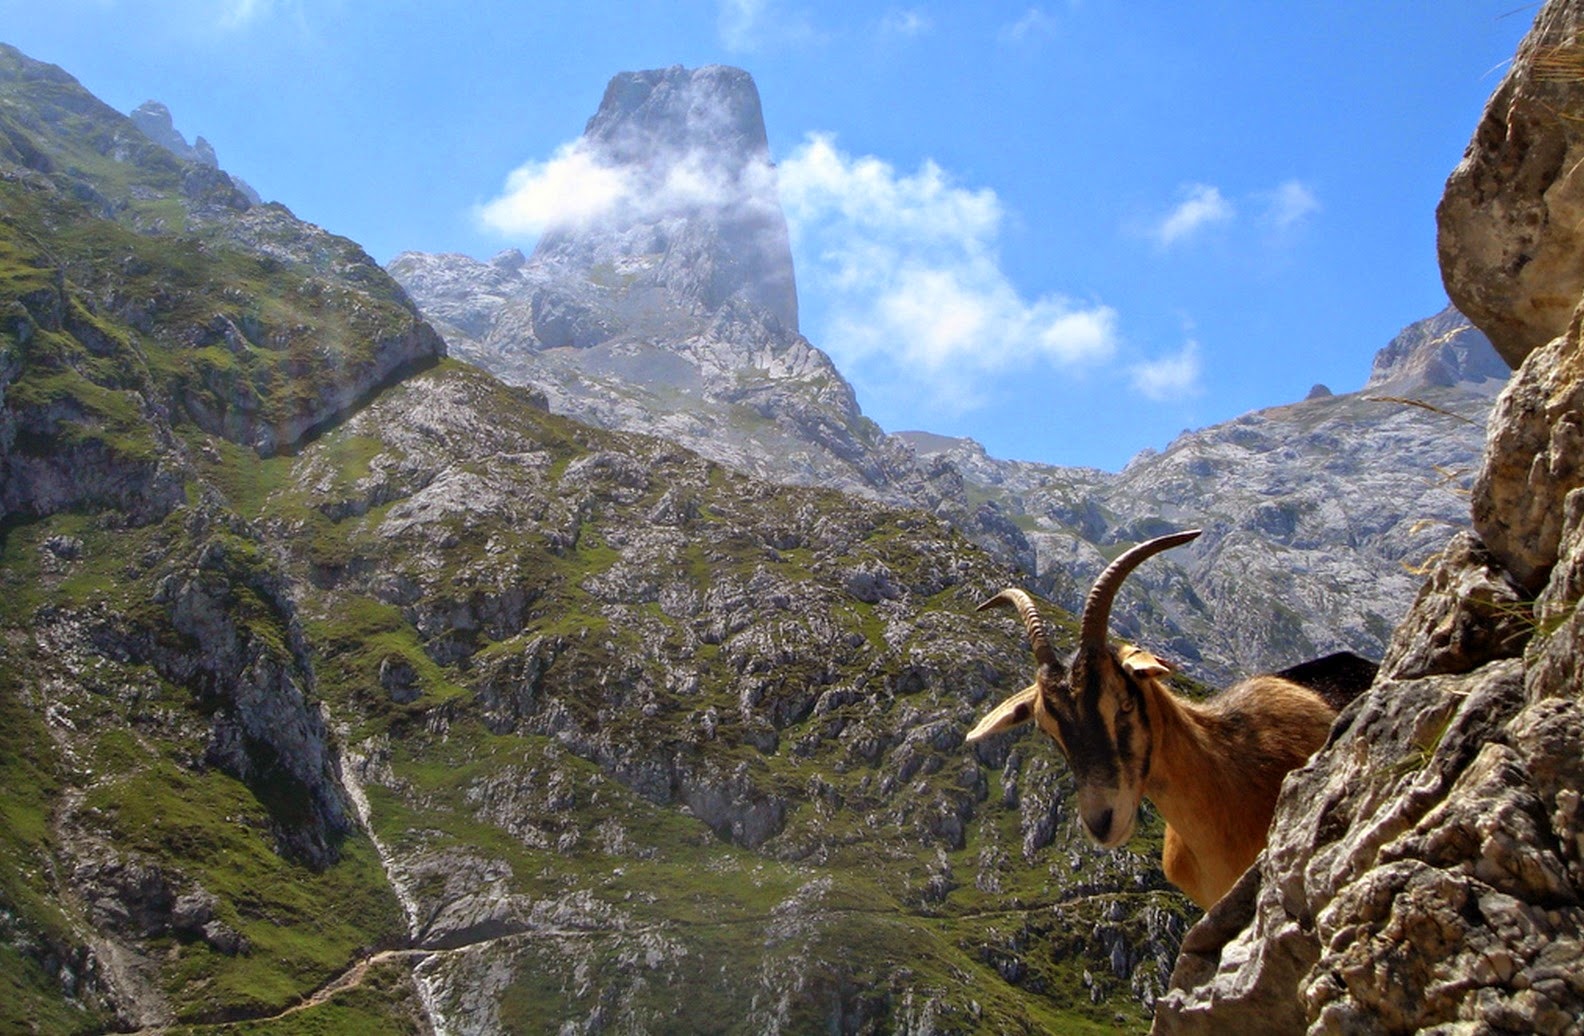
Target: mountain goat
[1212, 768]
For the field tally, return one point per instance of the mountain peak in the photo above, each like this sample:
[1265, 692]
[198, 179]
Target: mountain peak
[715, 108]
[1436, 352]
[699, 215]
[153, 119]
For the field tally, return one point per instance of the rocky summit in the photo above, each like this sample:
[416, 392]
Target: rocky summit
[673, 309]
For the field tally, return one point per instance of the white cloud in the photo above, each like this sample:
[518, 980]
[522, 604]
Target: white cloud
[573, 188]
[1202, 205]
[740, 22]
[1277, 211]
[819, 183]
[907, 264]
[904, 265]
[747, 25]
[1290, 204]
[1034, 24]
[1168, 377]
[906, 21]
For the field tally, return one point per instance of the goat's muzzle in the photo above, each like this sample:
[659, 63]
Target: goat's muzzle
[1108, 815]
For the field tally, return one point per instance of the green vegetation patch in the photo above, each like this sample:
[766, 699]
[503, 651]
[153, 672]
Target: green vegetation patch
[381, 1002]
[301, 926]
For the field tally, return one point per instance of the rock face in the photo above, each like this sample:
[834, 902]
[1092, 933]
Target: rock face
[1309, 536]
[1512, 219]
[154, 120]
[1426, 870]
[673, 310]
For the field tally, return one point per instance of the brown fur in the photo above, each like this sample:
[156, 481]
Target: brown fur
[1213, 769]
[1217, 770]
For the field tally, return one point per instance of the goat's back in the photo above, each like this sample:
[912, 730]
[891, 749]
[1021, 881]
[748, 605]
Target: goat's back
[1337, 679]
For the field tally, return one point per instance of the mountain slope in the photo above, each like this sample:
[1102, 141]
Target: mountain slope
[345, 688]
[1315, 512]
[676, 316]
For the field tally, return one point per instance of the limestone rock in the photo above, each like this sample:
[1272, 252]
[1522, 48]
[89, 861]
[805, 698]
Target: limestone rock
[154, 120]
[1441, 351]
[1469, 612]
[1533, 460]
[1511, 223]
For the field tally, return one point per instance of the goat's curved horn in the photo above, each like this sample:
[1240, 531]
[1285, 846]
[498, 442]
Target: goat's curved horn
[1039, 640]
[1095, 625]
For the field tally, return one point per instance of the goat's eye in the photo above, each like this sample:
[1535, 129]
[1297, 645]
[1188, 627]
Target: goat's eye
[1127, 703]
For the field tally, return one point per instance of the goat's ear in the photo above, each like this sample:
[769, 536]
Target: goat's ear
[1017, 709]
[1139, 662]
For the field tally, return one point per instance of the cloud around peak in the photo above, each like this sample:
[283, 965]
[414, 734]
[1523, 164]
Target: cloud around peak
[903, 267]
[906, 263]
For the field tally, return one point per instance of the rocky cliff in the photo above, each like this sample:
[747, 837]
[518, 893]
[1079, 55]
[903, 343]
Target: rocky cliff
[154, 120]
[1316, 513]
[1426, 870]
[345, 688]
[673, 309]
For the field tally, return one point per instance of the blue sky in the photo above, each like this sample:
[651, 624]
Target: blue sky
[1069, 229]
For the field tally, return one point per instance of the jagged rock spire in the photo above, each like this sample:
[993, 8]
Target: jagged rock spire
[699, 214]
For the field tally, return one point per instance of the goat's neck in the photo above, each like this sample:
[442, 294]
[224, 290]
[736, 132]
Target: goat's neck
[1197, 779]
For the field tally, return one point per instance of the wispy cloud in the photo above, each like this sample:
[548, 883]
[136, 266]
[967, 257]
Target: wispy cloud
[634, 172]
[1169, 377]
[577, 187]
[239, 15]
[740, 23]
[573, 188]
[1033, 25]
[1276, 212]
[747, 26]
[1202, 205]
[906, 22]
[907, 264]
[1288, 206]
[236, 13]
[911, 292]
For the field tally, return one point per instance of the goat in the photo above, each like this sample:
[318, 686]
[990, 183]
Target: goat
[1213, 769]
